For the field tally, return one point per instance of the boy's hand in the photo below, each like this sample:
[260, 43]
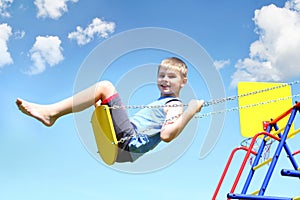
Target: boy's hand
[195, 105]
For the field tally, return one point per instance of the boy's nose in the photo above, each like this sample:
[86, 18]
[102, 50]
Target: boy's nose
[165, 78]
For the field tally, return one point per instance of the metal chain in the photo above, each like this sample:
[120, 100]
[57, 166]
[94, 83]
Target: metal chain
[246, 106]
[146, 106]
[223, 100]
[211, 102]
[122, 140]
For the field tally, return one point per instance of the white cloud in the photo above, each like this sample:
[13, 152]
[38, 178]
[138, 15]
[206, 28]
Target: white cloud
[275, 55]
[4, 4]
[19, 34]
[52, 8]
[219, 64]
[293, 5]
[98, 27]
[5, 33]
[46, 50]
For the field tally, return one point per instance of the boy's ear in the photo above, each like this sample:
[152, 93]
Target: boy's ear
[184, 81]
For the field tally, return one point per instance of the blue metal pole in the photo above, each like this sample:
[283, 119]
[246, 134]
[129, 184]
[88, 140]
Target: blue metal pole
[288, 151]
[290, 156]
[277, 152]
[293, 173]
[256, 161]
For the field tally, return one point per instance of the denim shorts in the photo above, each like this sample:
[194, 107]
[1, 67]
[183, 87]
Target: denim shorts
[122, 125]
[136, 144]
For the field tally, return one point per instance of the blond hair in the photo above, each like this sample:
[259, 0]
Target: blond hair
[174, 64]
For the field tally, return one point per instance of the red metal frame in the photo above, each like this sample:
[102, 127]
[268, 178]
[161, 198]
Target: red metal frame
[249, 151]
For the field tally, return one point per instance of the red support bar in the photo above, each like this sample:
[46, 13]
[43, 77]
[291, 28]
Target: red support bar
[227, 167]
[247, 157]
[280, 117]
[274, 121]
[296, 152]
[249, 151]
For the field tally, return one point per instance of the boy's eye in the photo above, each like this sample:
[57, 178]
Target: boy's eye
[172, 76]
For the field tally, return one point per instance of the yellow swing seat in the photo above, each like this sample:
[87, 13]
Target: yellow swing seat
[105, 135]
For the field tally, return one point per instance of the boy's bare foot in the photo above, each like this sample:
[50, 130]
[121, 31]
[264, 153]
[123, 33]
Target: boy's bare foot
[39, 112]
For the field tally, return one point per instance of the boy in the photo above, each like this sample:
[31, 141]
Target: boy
[147, 127]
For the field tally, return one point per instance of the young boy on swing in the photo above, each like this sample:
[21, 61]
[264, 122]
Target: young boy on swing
[147, 127]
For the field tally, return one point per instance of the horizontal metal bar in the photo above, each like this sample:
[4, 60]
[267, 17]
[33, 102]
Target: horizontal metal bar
[249, 197]
[293, 173]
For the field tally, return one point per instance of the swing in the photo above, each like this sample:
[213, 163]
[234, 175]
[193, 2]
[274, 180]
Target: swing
[259, 96]
[105, 135]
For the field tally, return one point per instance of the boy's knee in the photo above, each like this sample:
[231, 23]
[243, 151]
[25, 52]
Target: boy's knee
[106, 84]
[106, 87]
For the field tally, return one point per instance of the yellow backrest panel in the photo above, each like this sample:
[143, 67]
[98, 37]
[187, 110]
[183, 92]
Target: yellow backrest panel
[251, 119]
[105, 134]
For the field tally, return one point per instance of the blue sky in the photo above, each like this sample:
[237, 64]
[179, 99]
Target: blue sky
[45, 43]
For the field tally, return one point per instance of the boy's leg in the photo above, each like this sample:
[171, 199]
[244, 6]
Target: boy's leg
[48, 114]
[122, 125]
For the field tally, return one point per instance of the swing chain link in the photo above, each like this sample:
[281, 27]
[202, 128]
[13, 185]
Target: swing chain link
[209, 103]
[247, 106]
[146, 106]
[222, 100]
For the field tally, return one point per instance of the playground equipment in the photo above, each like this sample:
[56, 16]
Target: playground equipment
[254, 99]
[267, 130]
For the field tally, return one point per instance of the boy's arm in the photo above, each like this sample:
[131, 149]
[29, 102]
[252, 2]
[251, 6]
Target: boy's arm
[171, 129]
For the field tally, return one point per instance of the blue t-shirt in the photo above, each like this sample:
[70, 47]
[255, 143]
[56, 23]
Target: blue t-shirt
[148, 123]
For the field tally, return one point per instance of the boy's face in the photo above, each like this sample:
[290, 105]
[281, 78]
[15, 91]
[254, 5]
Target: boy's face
[170, 82]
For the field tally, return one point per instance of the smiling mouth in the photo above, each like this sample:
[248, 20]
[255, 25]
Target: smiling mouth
[165, 86]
